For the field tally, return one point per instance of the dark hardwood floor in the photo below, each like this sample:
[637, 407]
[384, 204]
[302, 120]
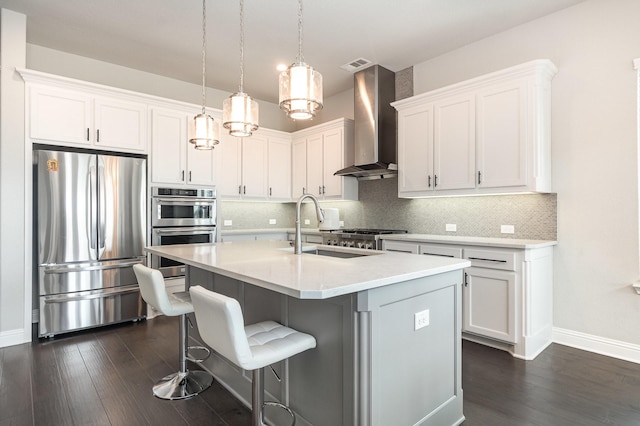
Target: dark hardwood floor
[104, 376]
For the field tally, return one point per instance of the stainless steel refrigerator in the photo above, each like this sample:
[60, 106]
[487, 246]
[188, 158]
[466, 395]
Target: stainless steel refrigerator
[91, 229]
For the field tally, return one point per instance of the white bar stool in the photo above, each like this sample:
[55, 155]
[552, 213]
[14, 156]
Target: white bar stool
[253, 347]
[184, 383]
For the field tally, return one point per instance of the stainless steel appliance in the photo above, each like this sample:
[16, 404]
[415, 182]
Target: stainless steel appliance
[183, 207]
[91, 229]
[359, 238]
[375, 125]
[181, 216]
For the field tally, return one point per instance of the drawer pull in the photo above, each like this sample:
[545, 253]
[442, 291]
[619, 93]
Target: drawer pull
[438, 254]
[487, 260]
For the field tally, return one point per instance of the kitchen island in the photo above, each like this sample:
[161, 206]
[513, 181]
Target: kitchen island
[387, 326]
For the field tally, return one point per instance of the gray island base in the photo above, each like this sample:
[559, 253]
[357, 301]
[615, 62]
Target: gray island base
[388, 327]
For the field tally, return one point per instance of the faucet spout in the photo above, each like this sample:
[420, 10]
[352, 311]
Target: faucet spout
[297, 242]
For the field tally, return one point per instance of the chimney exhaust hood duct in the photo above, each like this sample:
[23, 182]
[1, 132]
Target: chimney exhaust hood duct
[375, 125]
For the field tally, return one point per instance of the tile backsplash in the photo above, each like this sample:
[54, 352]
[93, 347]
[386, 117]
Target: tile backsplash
[533, 216]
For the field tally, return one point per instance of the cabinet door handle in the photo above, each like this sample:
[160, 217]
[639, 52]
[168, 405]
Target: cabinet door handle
[429, 182]
[240, 189]
[270, 192]
[479, 177]
[466, 279]
[435, 181]
[244, 189]
[98, 135]
[87, 134]
[303, 190]
[323, 190]
[182, 179]
[189, 175]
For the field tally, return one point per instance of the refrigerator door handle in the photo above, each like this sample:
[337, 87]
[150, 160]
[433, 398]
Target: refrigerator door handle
[92, 208]
[64, 269]
[102, 208]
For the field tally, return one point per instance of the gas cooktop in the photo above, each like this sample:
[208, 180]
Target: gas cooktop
[368, 231]
[358, 237]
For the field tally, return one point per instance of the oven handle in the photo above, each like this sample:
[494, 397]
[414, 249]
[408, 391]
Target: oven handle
[184, 231]
[182, 201]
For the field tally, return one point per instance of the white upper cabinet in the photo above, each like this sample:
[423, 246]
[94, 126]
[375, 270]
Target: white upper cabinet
[454, 143]
[415, 128]
[279, 154]
[502, 136]
[298, 167]
[229, 165]
[256, 167]
[168, 146]
[65, 112]
[120, 124]
[59, 116]
[173, 159]
[487, 135]
[333, 159]
[264, 166]
[328, 147]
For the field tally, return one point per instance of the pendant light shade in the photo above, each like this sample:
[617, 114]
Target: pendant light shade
[240, 114]
[300, 85]
[240, 111]
[203, 130]
[300, 91]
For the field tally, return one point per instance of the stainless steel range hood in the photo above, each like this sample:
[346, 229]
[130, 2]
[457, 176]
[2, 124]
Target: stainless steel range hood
[375, 125]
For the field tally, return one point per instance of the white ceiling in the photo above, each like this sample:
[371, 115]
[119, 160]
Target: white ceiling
[164, 36]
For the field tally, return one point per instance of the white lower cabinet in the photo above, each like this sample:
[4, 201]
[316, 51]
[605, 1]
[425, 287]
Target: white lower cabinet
[401, 246]
[507, 295]
[489, 304]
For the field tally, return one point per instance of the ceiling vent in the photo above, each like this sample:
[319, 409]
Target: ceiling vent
[356, 65]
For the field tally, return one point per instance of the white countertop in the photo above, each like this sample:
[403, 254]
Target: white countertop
[470, 241]
[272, 265]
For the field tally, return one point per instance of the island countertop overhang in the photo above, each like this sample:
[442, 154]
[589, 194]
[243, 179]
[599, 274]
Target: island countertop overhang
[272, 265]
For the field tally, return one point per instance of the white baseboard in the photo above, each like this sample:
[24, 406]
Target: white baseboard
[600, 345]
[13, 337]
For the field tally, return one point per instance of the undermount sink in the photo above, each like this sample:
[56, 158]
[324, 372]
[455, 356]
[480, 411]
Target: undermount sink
[331, 253]
[339, 252]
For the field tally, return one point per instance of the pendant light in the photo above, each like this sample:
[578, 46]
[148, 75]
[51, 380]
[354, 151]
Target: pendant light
[240, 111]
[300, 84]
[203, 130]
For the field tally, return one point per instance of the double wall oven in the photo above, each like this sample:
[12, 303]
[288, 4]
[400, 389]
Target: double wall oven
[181, 216]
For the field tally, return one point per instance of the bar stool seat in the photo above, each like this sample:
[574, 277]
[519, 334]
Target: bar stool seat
[221, 326]
[184, 383]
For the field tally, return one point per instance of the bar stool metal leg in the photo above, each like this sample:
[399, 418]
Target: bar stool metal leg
[184, 383]
[258, 402]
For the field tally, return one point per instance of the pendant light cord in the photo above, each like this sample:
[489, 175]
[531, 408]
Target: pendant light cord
[300, 57]
[204, 52]
[241, 46]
